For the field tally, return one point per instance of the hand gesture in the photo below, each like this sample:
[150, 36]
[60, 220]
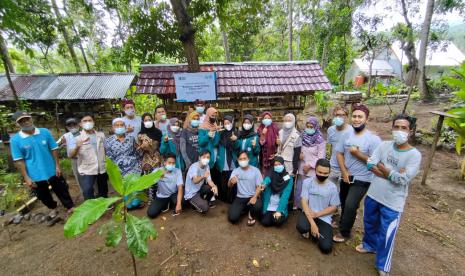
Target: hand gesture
[265, 130]
[211, 134]
[277, 215]
[233, 137]
[80, 142]
[262, 187]
[233, 180]
[254, 143]
[354, 150]
[166, 138]
[130, 128]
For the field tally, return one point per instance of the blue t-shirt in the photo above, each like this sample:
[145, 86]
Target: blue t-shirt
[334, 137]
[35, 150]
[168, 184]
[247, 181]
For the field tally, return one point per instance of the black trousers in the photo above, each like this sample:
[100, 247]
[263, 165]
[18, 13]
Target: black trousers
[268, 219]
[351, 195]
[59, 187]
[225, 193]
[325, 241]
[159, 204]
[200, 201]
[241, 206]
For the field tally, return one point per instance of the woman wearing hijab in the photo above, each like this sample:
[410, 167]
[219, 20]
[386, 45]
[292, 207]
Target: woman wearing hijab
[289, 144]
[278, 188]
[226, 161]
[268, 132]
[148, 141]
[313, 149]
[171, 142]
[209, 137]
[189, 141]
[248, 140]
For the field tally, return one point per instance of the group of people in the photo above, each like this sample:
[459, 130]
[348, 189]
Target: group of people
[262, 171]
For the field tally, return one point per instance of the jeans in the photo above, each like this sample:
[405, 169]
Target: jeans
[88, 182]
[350, 195]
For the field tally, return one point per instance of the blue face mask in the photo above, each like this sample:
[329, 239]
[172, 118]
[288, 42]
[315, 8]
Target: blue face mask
[279, 169]
[310, 131]
[170, 167]
[200, 109]
[338, 121]
[195, 123]
[120, 130]
[267, 122]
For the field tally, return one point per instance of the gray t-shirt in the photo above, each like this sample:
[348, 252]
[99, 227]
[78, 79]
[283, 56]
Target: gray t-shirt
[192, 188]
[320, 196]
[366, 143]
[334, 137]
[135, 123]
[247, 181]
[274, 202]
[393, 192]
[169, 183]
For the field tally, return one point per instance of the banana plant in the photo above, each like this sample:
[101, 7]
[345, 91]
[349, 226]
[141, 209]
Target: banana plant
[137, 231]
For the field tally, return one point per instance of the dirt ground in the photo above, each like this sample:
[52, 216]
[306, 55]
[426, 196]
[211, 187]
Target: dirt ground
[430, 241]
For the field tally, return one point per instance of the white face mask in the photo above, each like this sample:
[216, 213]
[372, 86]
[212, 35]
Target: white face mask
[174, 129]
[88, 125]
[228, 127]
[204, 161]
[247, 126]
[400, 137]
[148, 124]
[74, 130]
[288, 125]
[243, 163]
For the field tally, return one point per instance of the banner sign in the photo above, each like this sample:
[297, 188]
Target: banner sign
[193, 86]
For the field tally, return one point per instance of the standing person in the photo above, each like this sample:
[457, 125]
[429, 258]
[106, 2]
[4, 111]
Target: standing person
[121, 149]
[171, 142]
[148, 141]
[161, 119]
[313, 149]
[90, 152]
[319, 201]
[199, 185]
[35, 154]
[394, 163]
[268, 132]
[226, 161]
[169, 189]
[72, 125]
[352, 155]
[278, 189]
[131, 120]
[200, 108]
[289, 144]
[209, 137]
[248, 180]
[339, 128]
[189, 141]
[249, 141]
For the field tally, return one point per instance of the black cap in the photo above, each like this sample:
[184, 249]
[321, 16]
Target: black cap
[18, 115]
[70, 121]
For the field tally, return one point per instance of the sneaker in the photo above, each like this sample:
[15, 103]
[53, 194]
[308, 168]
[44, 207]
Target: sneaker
[53, 214]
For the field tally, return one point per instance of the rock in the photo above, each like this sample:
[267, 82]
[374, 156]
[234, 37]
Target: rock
[17, 219]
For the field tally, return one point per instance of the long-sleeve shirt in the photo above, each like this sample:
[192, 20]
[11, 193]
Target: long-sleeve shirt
[392, 192]
[311, 156]
[189, 145]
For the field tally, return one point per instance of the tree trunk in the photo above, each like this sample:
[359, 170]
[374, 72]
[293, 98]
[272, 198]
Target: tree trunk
[187, 36]
[372, 59]
[409, 49]
[324, 54]
[6, 56]
[10, 82]
[297, 39]
[64, 32]
[224, 37]
[289, 25]
[425, 95]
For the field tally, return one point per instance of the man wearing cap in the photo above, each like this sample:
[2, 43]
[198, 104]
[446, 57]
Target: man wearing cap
[68, 139]
[132, 121]
[35, 154]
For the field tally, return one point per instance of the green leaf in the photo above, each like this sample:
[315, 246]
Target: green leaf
[142, 196]
[143, 182]
[86, 214]
[138, 231]
[114, 175]
[458, 144]
[117, 213]
[113, 231]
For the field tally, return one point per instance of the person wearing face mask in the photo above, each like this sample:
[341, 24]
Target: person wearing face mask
[171, 142]
[268, 132]
[132, 121]
[89, 150]
[68, 139]
[277, 190]
[248, 140]
[199, 185]
[209, 137]
[161, 119]
[123, 150]
[395, 164]
[319, 201]
[148, 141]
[189, 141]
[289, 144]
[226, 161]
[199, 106]
[352, 154]
[169, 189]
[313, 149]
[248, 181]
[35, 154]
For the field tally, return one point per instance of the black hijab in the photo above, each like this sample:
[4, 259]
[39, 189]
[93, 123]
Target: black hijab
[225, 138]
[247, 133]
[153, 132]
[277, 179]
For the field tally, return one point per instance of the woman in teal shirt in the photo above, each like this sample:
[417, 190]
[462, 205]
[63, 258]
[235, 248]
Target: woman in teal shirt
[170, 144]
[209, 137]
[248, 140]
[278, 187]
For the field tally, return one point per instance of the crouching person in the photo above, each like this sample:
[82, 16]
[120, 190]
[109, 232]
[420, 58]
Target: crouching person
[169, 189]
[249, 185]
[320, 200]
[199, 185]
[278, 188]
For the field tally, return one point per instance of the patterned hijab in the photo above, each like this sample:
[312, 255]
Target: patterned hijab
[311, 140]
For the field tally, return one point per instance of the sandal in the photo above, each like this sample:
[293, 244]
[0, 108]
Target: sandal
[250, 222]
[360, 249]
[339, 238]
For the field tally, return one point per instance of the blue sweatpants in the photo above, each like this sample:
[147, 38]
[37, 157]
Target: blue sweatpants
[381, 225]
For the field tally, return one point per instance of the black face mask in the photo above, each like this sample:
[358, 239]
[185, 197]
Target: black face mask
[212, 120]
[359, 128]
[321, 178]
